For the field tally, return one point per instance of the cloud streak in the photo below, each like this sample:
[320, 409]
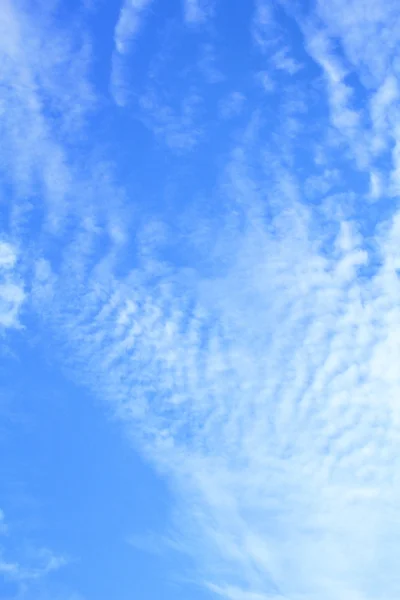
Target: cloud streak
[12, 294]
[129, 24]
[26, 569]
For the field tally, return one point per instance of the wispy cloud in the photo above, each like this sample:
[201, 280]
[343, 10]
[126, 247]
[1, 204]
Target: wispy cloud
[176, 126]
[12, 294]
[264, 27]
[265, 393]
[166, 100]
[232, 105]
[197, 11]
[208, 64]
[46, 96]
[128, 26]
[3, 525]
[233, 593]
[282, 61]
[262, 377]
[47, 562]
[129, 22]
[361, 32]
[356, 61]
[24, 565]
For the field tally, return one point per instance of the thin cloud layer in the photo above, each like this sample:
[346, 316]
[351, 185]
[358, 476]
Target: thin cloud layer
[237, 309]
[275, 411]
[12, 294]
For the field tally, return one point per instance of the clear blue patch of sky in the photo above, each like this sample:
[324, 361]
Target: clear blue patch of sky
[71, 482]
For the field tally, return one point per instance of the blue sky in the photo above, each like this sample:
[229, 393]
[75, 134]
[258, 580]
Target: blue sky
[199, 300]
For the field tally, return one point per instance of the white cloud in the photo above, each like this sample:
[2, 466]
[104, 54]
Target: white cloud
[11, 299]
[265, 382]
[12, 294]
[167, 100]
[3, 524]
[282, 61]
[368, 34]
[264, 27]
[346, 119]
[376, 185]
[7, 256]
[232, 105]
[233, 593]
[129, 24]
[268, 392]
[27, 569]
[45, 562]
[197, 11]
[266, 81]
[381, 108]
[355, 46]
[44, 72]
[208, 65]
[176, 126]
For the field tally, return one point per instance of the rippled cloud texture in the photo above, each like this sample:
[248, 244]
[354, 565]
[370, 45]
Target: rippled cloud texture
[200, 225]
